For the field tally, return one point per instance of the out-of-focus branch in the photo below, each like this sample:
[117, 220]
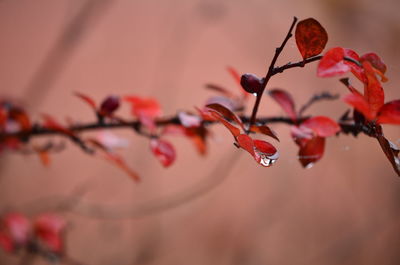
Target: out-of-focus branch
[57, 57]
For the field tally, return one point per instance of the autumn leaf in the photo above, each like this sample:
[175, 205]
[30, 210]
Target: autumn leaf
[220, 90]
[360, 104]
[17, 227]
[114, 158]
[311, 37]
[51, 123]
[389, 113]
[48, 229]
[373, 91]
[312, 151]
[332, 63]
[20, 117]
[322, 126]
[87, 99]
[264, 129]
[233, 129]
[145, 109]
[234, 73]
[226, 113]
[266, 153]
[246, 143]
[263, 152]
[377, 63]
[285, 100]
[164, 151]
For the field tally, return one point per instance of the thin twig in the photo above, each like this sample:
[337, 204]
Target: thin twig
[317, 98]
[269, 74]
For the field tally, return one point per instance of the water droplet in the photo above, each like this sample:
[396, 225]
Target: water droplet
[397, 161]
[255, 94]
[310, 165]
[268, 161]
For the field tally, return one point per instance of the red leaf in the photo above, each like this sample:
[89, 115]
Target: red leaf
[164, 151]
[234, 73]
[200, 144]
[390, 113]
[109, 105]
[285, 100]
[376, 63]
[311, 37]
[312, 151]
[356, 69]
[228, 103]
[226, 113]
[264, 129]
[3, 117]
[233, 129]
[246, 143]
[391, 151]
[48, 230]
[17, 228]
[322, 126]
[120, 162]
[332, 63]
[6, 242]
[205, 114]
[148, 107]
[19, 115]
[251, 83]
[44, 157]
[301, 135]
[51, 123]
[373, 90]
[220, 89]
[87, 99]
[360, 104]
[265, 153]
[197, 135]
[115, 159]
[236, 76]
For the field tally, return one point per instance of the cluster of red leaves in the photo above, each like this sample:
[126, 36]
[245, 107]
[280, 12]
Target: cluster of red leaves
[370, 109]
[44, 234]
[309, 134]
[12, 119]
[263, 152]
[146, 110]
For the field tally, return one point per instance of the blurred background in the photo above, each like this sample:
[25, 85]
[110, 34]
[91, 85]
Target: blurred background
[222, 208]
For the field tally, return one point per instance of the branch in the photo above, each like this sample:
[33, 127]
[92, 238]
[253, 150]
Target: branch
[270, 72]
[317, 98]
[135, 125]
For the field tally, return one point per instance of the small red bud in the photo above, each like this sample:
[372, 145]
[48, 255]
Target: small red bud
[251, 83]
[109, 105]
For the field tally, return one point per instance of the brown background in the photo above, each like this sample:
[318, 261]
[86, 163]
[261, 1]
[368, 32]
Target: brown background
[223, 208]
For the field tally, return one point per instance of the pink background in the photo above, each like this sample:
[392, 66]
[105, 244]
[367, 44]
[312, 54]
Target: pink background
[218, 209]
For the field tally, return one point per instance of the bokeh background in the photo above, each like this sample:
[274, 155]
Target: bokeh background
[222, 208]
